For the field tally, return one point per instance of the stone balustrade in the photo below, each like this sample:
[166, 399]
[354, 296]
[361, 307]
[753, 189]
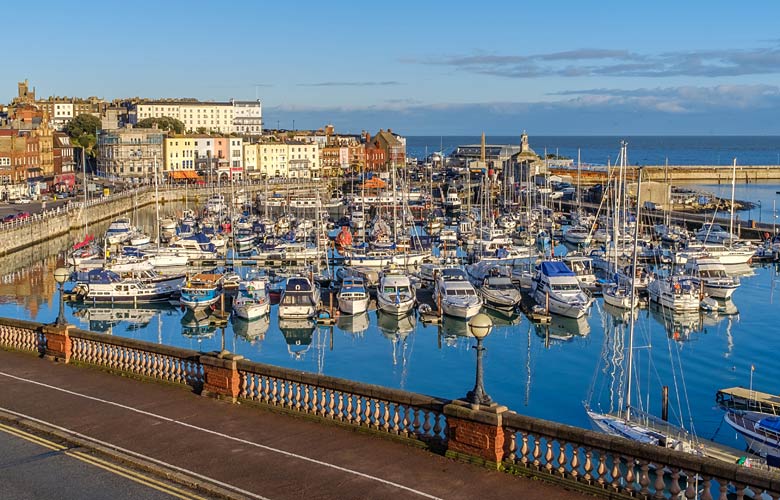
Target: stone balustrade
[380, 409]
[603, 465]
[609, 465]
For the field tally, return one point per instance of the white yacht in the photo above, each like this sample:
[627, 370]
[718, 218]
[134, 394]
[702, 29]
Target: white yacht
[582, 267]
[353, 297]
[710, 276]
[577, 235]
[252, 301]
[299, 299]
[395, 294]
[714, 233]
[119, 231]
[674, 292]
[108, 287]
[494, 285]
[456, 294]
[556, 287]
[452, 201]
[619, 295]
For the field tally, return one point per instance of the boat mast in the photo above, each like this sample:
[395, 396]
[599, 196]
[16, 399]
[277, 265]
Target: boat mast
[632, 314]
[731, 216]
[157, 201]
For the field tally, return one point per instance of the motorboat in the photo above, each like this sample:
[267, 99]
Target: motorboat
[103, 286]
[395, 294]
[714, 233]
[119, 231]
[710, 276]
[677, 293]
[353, 297]
[582, 267]
[761, 431]
[494, 284]
[201, 291]
[556, 288]
[456, 295]
[252, 300]
[577, 235]
[300, 298]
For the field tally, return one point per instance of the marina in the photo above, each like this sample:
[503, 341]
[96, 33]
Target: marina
[400, 320]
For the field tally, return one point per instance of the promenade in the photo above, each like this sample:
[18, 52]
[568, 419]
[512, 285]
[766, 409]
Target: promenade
[240, 450]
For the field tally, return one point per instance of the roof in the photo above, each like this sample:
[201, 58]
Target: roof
[556, 268]
[298, 285]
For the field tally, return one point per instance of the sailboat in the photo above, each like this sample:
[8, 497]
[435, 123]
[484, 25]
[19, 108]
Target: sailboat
[630, 422]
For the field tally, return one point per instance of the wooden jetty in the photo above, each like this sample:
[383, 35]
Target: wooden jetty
[740, 398]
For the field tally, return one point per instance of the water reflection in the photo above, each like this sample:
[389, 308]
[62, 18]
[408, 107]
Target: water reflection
[104, 319]
[392, 326]
[252, 331]
[355, 324]
[198, 325]
[561, 329]
[298, 336]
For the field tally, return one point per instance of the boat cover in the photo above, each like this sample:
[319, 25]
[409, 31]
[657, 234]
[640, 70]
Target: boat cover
[770, 423]
[556, 268]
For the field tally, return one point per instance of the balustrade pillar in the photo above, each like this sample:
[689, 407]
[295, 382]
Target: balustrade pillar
[476, 434]
[221, 378]
[59, 346]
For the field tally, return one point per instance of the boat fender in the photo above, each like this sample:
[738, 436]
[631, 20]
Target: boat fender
[425, 309]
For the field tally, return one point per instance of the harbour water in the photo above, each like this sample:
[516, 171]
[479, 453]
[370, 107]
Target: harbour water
[543, 371]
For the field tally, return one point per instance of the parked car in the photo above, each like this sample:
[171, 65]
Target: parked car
[22, 215]
[23, 200]
[9, 218]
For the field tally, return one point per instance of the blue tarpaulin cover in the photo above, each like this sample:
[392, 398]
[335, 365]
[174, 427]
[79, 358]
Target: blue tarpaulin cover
[770, 423]
[556, 268]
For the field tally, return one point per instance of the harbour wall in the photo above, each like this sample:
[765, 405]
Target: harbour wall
[23, 234]
[702, 174]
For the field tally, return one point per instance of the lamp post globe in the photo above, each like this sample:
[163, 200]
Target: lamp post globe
[480, 327]
[61, 275]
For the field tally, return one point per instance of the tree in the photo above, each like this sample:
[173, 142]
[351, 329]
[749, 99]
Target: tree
[163, 123]
[201, 130]
[83, 130]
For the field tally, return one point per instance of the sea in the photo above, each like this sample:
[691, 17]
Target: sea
[549, 371]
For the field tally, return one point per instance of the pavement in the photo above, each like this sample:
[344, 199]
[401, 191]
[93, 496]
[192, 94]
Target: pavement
[239, 451]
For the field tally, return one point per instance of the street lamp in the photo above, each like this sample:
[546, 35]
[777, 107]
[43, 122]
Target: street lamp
[61, 275]
[480, 327]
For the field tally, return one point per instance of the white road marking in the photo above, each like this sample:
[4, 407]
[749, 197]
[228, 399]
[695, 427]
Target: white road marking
[201, 429]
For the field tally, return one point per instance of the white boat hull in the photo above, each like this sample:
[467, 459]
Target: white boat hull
[353, 306]
[252, 311]
[391, 305]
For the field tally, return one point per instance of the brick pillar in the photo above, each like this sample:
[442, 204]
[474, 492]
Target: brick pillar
[59, 347]
[475, 433]
[221, 376]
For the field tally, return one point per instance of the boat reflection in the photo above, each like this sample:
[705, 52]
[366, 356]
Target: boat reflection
[617, 315]
[251, 331]
[198, 325]
[561, 329]
[678, 326]
[501, 319]
[355, 324]
[391, 325]
[298, 336]
[104, 319]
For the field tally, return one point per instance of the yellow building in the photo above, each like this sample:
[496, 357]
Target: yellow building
[179, 152]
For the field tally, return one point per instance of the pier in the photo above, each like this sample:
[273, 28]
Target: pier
[703, 174]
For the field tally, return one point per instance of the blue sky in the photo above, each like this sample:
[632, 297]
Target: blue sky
[555, 68]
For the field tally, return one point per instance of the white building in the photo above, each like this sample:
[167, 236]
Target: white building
[241, 117]
[247, 117]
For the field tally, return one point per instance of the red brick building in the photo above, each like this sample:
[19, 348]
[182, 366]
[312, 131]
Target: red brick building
[376, 158]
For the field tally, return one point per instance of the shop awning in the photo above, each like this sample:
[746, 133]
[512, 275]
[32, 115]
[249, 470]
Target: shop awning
[181, 175]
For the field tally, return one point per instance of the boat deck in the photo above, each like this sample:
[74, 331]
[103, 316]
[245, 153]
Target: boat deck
[741, 398]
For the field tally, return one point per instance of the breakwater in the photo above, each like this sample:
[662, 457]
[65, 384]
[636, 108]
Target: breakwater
[53, 223]
[706, 174]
